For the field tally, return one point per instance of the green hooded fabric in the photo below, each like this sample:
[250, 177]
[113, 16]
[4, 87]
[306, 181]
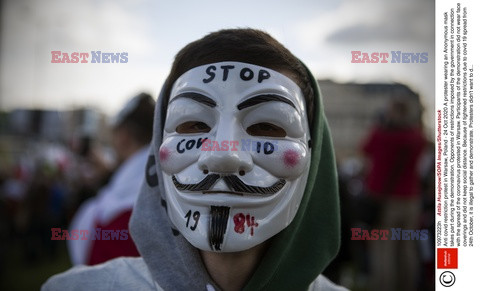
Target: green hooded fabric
[296, 257]
[304, 249]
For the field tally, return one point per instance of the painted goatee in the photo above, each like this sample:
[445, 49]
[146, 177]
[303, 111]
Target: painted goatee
[218, 226]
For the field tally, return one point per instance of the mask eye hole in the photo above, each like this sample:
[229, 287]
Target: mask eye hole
[193, 127]
[266, 129]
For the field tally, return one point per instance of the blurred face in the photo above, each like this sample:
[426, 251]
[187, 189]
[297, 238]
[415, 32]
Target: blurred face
[235, 155]
[118, 137]
[397, 114]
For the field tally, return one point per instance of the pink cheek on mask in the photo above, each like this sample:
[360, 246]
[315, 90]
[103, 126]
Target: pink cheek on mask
[164, 154]
[290, 158]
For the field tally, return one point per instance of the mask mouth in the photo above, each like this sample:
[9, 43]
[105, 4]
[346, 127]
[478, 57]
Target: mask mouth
[233, 182]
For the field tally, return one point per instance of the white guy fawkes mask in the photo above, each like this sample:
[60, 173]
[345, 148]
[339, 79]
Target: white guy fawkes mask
[235, 155]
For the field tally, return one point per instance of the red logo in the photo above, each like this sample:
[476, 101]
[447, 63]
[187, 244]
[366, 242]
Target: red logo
[447, 258]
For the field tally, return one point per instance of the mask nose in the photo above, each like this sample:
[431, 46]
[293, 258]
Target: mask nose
[229, 161]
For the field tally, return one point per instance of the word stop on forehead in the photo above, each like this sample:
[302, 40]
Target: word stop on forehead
[246, 74]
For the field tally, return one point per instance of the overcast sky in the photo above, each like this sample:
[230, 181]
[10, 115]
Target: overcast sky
[321, 33]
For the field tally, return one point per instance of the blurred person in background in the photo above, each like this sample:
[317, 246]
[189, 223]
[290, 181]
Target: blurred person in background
[393, 148]
[111, 208]
[427, 171]
[92, 169]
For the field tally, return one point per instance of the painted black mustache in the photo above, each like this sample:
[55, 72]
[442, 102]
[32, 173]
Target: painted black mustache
[232, 181]
[203, 185]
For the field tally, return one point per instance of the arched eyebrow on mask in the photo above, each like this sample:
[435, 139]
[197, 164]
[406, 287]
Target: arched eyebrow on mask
[200, 98]
[264, 98]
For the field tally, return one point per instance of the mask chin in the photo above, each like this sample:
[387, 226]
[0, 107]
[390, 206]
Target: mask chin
[232, 222]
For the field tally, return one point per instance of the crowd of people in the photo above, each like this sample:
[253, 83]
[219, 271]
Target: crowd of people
[75, 184]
